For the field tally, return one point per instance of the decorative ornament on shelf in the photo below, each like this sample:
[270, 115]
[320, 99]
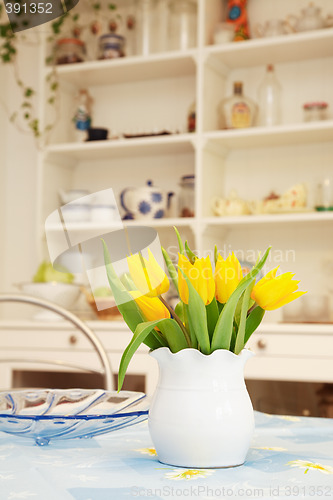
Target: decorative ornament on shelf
[83, 114]
[237, 16]
[201, 414]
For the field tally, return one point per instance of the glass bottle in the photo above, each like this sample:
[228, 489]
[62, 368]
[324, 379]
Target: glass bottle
[146, 26]
[269, 99]
[237, 111]
[83, 113]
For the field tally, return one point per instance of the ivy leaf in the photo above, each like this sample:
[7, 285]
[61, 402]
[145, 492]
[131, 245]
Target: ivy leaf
[29, 92]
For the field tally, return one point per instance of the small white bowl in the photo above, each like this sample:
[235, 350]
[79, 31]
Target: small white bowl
[62, 294]
[75, 212]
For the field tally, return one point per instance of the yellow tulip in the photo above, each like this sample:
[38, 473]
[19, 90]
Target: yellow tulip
[272, 291]
[151, 307]
[147, 275]
[200, 275]
[228, 273]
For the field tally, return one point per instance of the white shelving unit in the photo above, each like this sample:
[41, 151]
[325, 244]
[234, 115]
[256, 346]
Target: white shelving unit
[156, 91]
[122, 148]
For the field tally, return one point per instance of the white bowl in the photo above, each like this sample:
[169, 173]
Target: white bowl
[62, 294]
[73, 212]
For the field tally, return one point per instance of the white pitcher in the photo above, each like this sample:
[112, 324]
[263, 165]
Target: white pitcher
[201, 415]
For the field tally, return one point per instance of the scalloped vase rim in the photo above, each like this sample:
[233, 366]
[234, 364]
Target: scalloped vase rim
[180, 353]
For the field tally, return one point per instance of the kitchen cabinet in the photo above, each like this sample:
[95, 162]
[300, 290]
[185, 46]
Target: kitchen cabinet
[156, 91]
[300, 353]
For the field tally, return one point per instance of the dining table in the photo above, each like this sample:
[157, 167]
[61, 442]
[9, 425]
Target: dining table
[290, 457]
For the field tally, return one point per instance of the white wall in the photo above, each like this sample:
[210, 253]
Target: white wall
[18, 167]
[3, 163]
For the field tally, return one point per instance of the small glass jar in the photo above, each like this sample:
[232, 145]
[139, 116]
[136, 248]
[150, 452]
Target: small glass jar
[111, 46]
[69, 51]
[315, 111]
[186, 196]
[183, 25]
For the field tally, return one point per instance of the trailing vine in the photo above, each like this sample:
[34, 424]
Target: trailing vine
[25, 117]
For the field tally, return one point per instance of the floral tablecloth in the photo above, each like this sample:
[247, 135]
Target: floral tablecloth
[290, 457]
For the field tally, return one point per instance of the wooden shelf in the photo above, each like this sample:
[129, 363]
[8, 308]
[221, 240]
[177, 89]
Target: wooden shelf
[280, 49]
[293, 218]
[279, 135]
[128, 69]
[119, 148]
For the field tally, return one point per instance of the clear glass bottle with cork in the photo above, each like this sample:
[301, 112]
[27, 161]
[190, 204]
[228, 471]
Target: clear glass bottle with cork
[237, 111]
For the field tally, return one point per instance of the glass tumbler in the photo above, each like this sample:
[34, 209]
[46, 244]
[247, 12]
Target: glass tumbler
[146, 17]
[183, 24]
[186, 196]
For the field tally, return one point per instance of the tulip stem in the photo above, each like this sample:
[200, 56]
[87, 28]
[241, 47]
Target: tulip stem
[177, 319]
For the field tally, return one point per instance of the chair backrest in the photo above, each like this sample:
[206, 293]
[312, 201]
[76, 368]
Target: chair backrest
[78, 323]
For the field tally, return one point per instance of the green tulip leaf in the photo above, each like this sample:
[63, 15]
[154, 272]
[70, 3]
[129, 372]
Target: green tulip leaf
[179, 310]
[242, 322]
[139, 337]
[220, 306]
[197, 317]
[180, 243]
[253, 321]
[191, 256]
[128, 282]
[173, 335]
[216, 254]
[212, 312]
[171, 268]
[223, 330]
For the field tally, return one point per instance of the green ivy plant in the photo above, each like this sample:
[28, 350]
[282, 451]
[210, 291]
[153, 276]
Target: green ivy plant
[26, 113]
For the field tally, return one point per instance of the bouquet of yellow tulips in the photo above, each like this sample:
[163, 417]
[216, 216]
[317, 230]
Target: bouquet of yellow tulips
[218, 309]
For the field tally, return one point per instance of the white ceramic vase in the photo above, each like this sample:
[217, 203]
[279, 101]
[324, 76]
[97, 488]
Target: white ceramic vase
[201, 415]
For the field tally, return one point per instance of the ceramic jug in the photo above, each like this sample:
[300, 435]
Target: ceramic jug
[310, 19]
[148, 202]
[201, 415]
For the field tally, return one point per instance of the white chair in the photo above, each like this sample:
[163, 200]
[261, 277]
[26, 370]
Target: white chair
[79, 324]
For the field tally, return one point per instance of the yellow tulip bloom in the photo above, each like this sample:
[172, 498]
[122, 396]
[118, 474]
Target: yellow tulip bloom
[200, 275]
[151, 307]
[228, 273]
[147, 275]
[272, 291]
